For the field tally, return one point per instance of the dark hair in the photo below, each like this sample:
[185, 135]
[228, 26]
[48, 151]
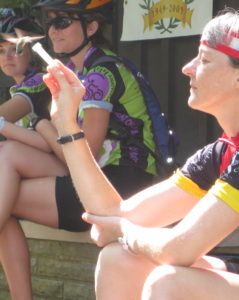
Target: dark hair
[98, 39]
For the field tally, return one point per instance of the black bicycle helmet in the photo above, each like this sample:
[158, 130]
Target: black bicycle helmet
[9, 23]
[87, 10]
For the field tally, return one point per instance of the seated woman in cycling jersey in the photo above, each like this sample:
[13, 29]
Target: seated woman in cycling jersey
[29, 95]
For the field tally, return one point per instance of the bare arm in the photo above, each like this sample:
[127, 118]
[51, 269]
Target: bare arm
[164, 202]
[95, 127]
[208, 223]
[15, 108]
[95, 191]
[48, 132]
[26, 136]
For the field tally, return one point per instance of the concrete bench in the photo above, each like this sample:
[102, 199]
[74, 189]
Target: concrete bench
[63, 262]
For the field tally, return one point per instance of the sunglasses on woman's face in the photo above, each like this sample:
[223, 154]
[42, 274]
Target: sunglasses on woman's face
[60, 22]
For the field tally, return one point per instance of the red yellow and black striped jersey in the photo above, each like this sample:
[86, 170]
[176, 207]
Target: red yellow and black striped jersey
[213, 169]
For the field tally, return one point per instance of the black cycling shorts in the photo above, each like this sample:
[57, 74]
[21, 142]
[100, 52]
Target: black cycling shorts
[69, 206]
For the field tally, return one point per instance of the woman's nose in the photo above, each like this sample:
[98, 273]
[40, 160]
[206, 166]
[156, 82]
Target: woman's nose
[9, 53]
[190, 68]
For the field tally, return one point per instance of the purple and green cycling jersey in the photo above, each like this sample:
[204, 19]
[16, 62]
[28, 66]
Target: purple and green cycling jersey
[111, 86]
[34, 90]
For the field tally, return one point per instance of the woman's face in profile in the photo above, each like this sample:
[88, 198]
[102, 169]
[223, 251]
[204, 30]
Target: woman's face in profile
[11, 64]
[212, 80]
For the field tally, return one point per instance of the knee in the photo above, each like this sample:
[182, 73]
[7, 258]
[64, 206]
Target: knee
[163, 283]
[110, 257]
[113, 258]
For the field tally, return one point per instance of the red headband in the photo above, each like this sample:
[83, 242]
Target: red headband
[232, 49]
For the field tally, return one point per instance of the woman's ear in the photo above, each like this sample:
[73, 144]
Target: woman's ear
[92, 28]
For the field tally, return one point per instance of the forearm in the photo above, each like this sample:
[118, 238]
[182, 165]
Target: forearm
[159, 245]
[165, 203]
[198, 233]
[23, 135]
[164, 246]
[148, 242]
[15, 108]
[49, 133]
[95, 191]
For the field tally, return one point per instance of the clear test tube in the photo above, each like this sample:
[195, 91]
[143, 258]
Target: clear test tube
[42, 53]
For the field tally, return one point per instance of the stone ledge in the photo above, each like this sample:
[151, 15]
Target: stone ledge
[36, 231]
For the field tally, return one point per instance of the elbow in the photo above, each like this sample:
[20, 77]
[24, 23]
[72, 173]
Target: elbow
[176, 259]
[176, 254]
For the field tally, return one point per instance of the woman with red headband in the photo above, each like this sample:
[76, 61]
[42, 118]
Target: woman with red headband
[143, 258]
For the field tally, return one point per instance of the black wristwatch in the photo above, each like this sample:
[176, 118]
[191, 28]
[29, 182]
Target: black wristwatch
[69, 138]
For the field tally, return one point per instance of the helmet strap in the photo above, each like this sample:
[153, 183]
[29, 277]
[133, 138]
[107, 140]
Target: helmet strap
[76, 51]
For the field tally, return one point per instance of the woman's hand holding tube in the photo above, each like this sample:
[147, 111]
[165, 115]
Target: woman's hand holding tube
[67, 92]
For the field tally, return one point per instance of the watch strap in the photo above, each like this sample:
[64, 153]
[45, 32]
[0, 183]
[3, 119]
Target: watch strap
[35, 121]
[71, 137]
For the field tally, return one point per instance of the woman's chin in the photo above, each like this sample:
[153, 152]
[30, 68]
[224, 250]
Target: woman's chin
[192, 103]
[59, 49]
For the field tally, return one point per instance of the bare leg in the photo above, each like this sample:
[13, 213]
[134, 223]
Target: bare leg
[19, 161]
[120, 275]
[41, 208]
[15, 260]
[14, 254]
[182, 283]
